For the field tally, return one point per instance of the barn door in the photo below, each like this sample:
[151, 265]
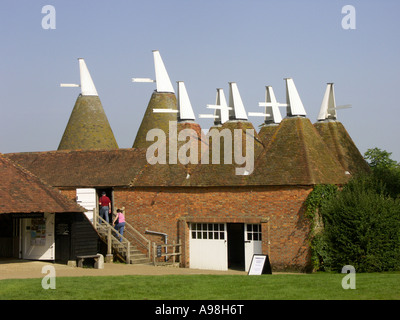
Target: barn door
[87, 198]
[208, 246]
[253, 244]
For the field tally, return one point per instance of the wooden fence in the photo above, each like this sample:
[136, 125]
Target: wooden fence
[167, 251]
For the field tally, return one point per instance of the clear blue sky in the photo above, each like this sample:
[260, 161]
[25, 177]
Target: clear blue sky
[206, 43]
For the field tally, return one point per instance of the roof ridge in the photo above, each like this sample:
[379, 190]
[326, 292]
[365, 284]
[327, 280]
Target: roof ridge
[338, 149]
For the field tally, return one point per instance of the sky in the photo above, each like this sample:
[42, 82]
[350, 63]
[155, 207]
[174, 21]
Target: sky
[206, 44]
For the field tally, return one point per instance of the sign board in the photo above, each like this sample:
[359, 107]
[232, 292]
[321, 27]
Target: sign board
[159, 251]
[260, 265]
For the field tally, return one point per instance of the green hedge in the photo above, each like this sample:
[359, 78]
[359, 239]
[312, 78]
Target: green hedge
[361, 227]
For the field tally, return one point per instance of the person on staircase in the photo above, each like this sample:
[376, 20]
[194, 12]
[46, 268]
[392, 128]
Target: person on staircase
[105, 206]
[119, 223]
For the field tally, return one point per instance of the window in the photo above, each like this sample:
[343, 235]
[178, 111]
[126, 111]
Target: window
[253, 232]
[211, 231]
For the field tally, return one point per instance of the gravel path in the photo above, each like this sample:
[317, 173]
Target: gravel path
[22, 269]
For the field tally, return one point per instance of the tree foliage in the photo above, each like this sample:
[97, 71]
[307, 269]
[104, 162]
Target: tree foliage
[362, 227]
[360, 222]
[385, 169]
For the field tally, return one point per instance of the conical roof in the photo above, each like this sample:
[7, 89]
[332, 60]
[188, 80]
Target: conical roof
[156, 120]
[296, 155]
[88, 127]
[273, 116]
[228, 156]
[162, 107]
[219, 166]
[266, 133]
[183, 143]
[342, 146]
[181, 158]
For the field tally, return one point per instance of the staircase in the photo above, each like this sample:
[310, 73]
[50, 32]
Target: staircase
[128, 248]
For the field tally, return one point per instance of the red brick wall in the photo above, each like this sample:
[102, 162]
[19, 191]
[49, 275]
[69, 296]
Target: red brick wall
[280, 211]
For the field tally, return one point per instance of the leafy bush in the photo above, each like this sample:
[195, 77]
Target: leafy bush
[361, 228]
[319, 250]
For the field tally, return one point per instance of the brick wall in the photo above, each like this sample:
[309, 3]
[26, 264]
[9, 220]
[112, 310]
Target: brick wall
[280, 211]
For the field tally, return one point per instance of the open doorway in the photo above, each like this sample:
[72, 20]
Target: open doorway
[236, 256]
[110, 195]
[6, 236]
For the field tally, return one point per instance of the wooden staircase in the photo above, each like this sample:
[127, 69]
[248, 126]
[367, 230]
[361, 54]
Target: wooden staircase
[134, 247]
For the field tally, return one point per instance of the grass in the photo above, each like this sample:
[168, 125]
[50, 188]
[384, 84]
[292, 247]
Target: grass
[318, 286]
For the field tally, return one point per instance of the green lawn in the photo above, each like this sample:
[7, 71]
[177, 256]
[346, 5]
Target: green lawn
[207, 287]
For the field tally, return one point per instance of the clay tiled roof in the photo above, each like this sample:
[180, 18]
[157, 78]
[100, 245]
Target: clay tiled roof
[225, 174]
[152, 120]
[173, 174]
[296, 155]
[22, 192]
[266, 132]
[99, 168]
[88, 127]
[342, 146]
[84, 168]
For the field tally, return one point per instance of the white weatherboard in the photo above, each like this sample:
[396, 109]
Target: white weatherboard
[87, 198]
[258, 114]
[208, 116]
[272, 106]
[328, 105]
[238, 111]
[221, 109]
[184, 105]
[87, 85]
[165, 111]
[162, 79]
[295, 106]
[143, 80]
[272, 113]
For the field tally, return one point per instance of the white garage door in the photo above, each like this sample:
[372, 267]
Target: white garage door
[252, 244]
[208, 246]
